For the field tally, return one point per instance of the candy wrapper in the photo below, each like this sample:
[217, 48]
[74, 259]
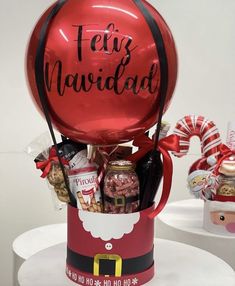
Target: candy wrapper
[83, 183]
[56, 180]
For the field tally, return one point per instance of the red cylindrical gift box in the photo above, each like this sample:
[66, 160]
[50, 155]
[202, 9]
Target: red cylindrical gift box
[110, 249]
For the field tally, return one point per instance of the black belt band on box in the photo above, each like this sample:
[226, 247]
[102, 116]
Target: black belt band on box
[108, 266]
[121, 201]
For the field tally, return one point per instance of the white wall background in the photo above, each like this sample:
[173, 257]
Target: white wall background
[205, 38]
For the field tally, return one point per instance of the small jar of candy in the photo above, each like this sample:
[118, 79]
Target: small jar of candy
[226, 186]
[121, 188]
[226, 179]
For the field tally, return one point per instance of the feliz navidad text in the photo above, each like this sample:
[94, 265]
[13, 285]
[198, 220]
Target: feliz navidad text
[110, 43]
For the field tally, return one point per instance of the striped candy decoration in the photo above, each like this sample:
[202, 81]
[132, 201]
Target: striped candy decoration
[192, 125]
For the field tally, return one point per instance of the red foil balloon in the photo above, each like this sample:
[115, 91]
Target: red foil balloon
[101, 70]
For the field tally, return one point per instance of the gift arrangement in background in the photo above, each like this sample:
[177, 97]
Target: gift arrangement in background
[103, 73]
[211, 177]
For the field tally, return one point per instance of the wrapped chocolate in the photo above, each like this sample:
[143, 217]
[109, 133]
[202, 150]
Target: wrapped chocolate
[121, 188]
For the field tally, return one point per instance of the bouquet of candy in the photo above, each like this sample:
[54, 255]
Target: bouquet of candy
[212, 177]
[101, 179]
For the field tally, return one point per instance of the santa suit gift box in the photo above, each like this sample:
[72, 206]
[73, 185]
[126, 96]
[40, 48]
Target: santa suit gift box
[110, 249]
[219, 213]
[116, 249]
[86, 74]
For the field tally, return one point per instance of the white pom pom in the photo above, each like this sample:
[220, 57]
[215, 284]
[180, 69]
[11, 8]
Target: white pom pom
[211, 160]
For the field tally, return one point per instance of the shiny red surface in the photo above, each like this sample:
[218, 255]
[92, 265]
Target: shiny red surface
[95, 116]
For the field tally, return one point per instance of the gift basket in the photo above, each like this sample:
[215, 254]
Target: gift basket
[103, 72]
[212, 177]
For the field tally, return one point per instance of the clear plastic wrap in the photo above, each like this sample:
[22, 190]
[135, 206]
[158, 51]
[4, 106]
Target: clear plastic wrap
[47, 161]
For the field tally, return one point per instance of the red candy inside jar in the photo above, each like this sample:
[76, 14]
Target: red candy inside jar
[121, 188]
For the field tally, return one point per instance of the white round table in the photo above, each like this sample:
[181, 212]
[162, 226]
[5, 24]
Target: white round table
[177, 264]
[35, 240]
[182, 221]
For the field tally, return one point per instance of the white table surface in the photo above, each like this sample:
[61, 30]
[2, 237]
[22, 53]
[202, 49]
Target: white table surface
[35, 240]
[177, 264]
[38, 239]
[182, 221]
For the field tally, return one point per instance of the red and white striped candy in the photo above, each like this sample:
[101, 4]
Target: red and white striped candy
[205, 129]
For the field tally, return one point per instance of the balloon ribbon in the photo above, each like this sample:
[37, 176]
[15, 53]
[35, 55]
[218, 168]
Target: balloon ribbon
[169, 143]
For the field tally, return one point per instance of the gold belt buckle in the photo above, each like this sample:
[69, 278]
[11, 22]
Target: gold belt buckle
[119, 201]
[118, 263]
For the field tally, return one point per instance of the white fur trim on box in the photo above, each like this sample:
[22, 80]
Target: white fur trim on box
[221, 206]
[107, 226]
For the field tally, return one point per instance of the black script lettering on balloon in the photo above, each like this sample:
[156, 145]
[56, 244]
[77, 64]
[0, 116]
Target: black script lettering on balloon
[119, 81]
[107, 42]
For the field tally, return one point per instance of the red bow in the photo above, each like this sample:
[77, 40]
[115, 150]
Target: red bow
[169, 143]
[225, 153]
[45, 166]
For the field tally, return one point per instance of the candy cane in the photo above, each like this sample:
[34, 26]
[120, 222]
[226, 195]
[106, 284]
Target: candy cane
[205, 129]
